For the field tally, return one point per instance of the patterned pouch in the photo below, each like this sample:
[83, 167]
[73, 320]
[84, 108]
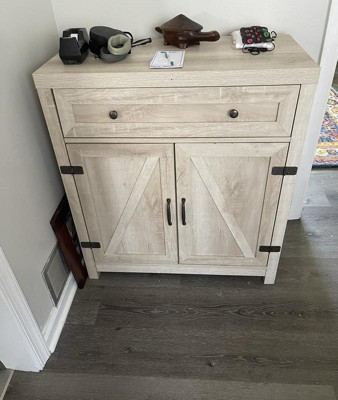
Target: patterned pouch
[257, 34]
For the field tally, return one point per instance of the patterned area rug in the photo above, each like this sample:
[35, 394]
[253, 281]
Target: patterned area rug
[327, 149]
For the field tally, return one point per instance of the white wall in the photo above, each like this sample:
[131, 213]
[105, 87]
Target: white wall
[305, 20]
[22, 345]
[29, 182]
[328, 65]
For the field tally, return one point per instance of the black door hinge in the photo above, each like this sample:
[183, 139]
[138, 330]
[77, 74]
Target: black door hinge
[91, 245]
[72, 170]
[284, 171]
[270, 249]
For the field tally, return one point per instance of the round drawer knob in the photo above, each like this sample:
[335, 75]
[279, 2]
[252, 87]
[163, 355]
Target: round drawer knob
[233, 113]
[113, 114]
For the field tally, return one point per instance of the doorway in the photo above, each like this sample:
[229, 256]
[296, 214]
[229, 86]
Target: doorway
[326, 154]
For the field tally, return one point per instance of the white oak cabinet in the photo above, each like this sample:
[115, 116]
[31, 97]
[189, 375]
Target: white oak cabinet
[181, 171]
[230, 200]
[127, 193]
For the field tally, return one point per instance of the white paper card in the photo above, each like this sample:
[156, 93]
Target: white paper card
[168, 59]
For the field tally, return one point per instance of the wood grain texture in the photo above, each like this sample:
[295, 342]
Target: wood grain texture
[124, 193]
[158, 130]
[145, 111]
[159, 336]
[168, 113]
[287, 64]
[231, 201]
[318, 192]
[294, 155]
[236, 268]
[164, 139]
[85, 387]
[52, 120]
[217, 197]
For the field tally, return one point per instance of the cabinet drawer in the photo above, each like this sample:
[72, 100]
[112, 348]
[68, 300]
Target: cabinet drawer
[177, 112]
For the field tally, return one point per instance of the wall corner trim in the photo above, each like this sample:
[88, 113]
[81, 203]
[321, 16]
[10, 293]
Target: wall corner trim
[328, 62]
[57, 317]
[22, 345]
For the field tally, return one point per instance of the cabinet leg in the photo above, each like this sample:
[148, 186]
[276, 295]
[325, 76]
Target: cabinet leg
[90, 264]
[271, 270]
[268, 280]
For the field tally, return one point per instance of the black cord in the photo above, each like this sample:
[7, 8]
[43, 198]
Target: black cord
[141, 42]
[252, 50]
[257, 50]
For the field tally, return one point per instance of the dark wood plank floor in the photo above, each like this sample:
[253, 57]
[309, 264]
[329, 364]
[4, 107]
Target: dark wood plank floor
[206, 337]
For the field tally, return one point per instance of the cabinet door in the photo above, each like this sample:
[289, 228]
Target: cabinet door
[123, 194]
[230, 199]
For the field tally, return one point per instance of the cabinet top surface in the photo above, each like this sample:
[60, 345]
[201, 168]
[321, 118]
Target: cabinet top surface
[207, 64]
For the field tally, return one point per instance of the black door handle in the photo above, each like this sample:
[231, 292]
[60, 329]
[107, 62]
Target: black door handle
[169, 212]
[184, 222]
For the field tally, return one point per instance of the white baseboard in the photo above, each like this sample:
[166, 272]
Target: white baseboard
[22, 345]
[58, 316]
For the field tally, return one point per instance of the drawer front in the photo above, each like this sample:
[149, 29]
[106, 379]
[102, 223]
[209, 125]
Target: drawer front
[260, 111]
